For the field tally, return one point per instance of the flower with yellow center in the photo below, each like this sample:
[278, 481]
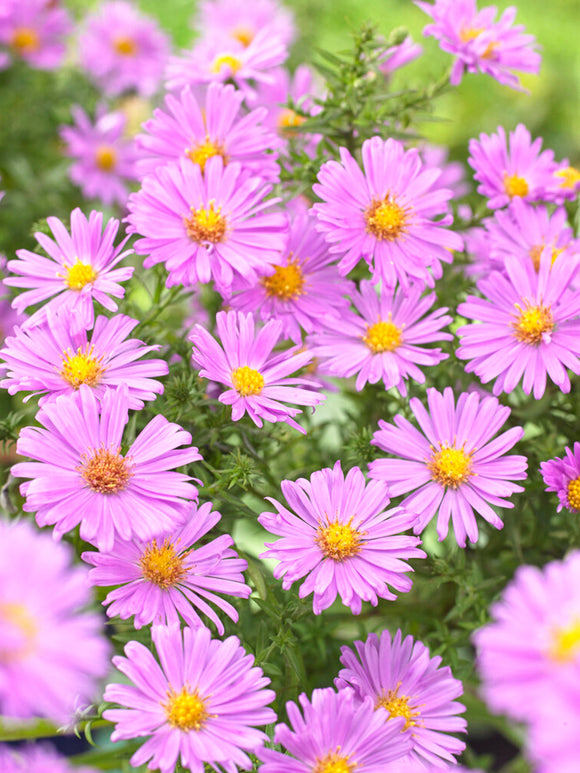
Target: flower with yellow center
[565, 644]
[229, 61]
[125, 45]
[186, 710]
[398, 706]
[536, 254]
[78, 275]
[383, 336]
[573, 494]
[334, 762]
[105, 471]
[286, 282]
[243, 35]
[200, 152]
[450, 466]
[16, 616]
[161, 565]
[25, 40]
[84, 367]
[467, 34]
[386, 219]
[570, 177]
[515, 185]
[533, 323]
[338, 541]
[206, 224]
[247, 381]
[288, 120]
[106, 158]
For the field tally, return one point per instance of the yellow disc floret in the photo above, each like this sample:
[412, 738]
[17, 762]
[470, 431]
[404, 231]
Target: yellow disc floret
[286, 282]
[201, 152]
[398, 706]
[573, 492]
[228, 61]
[206, 224]
[105, 471]
[383, 336]
[20, 643]
[84, 367]
[106, 158]
[186, 710]
[450, 466]
[334, 762]
[243, 35]
[25, 40]
[338, 540]
[565, 646]
[125, 45]
[515, 185]
[570, 177]
[247, 381]
[533, 323]
[161, 565]
[386, 219]
[78, 275]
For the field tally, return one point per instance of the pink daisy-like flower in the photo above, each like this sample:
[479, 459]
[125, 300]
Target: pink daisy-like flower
[55, 357]
[533, 639]
[480, 43]
[37, 758]
[304, 288]
[168, 577]
[400, 676]
[527, 326]
[104, 159]
[201, 702]
[455, 465]
[386, 213]
[523, 171]
[566, 183]
[81, 477]
[35, 31]
[80, 268]
[51, 652]
[339, 535]
[243, 21]
[398, 56]
[123, 50]
[335, 733]
[563, 477]
[258, 383]
[200, 131]
[209, 225]
[382, 340]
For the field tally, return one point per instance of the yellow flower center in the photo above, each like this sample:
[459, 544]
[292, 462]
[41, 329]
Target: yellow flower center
[231, 62]
[286, 282]
[450, 466]
[573, 492]
[243, 35]
[106, 158]
[536, 254]
[17, 622]
[185, 710]
[398, 706]
[514, 185]
[125, 45]
[467, 34]
[206, 225]
[105, 471]
[25, 39]
[334, 763]
[386, 220]
[78, 275]
[532, 323]
[565, 645]
[338, 540]
[82, 367]
[205, 150]
[247, 381]
[383, 336]
[161, 565]
[288, 120]
[570, 177]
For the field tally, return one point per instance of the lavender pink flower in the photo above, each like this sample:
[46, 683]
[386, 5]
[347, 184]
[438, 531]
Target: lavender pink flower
[386, 214]
[80, 477]
[563, 477]
[453, 463]
[36, 758]
[241, 22]
[398, 56]
[34, 31]
[202, 701]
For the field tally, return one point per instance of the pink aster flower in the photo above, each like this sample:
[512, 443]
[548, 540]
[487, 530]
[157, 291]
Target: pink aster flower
[201, 702]
[563, 477]
[523, 171]
[382, 340]
[36, 758]
[122, 49]
[209, 225]
[566, 183]
[304, 288]
[80, 268]
[34, 31]
[400, 676]
[52, 653]
[480, 43]
[340, 536]
[398, 56]
[104, 159]
[243, 21]
[168, 577]
[555, 729]
[258, 382]
[79, 475]
[527, 326]
[386, 213]
[216, 127]
[335, 732]
[55, 357]
[455, 465]
[533, 639]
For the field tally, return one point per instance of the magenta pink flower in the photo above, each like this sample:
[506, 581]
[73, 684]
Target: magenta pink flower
[122, 49]
[207, 226]
[80, 268]
[382, 340]
[523, 171]
[339, 536]
[55, 357]
[104, 159]
[385, 214]
[555, 728]
[527, 326]
[79, 475]
[399, 675]
[533, 639]
[34, 31]
[480, 43]
[258, 382]
[563, 477]
[241, 22]
[201, 702]
[337, 734]
[168, 577]
[455, 465]
[52, 653]
[36, 758]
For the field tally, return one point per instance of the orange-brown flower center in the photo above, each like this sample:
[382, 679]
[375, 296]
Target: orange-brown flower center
[105, 471]
[338, 540]
[161, 565]
[206, 224]
[386, 219]
[125, 45]
[106, 158]
[533, 323]
[25, 40]
[286, 282]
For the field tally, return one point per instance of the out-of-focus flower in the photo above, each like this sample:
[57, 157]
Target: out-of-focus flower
[566, 183]
[122, 49]
[452, 172]
[454, 464]
[36, 758]
[230, 19]
[51, 652]
[201, 702]
[34, 31]
[398, 56]
[563, 477]
[104, 159]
